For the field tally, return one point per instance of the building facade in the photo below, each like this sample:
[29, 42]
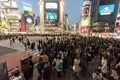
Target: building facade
[9, 17]
[85, 21]
[51, 16]
[103, 17]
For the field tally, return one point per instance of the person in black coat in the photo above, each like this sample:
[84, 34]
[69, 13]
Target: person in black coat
[40, 68]
[26, 70]
[47, 71]
[33, 45]
[31, 65]
[28, 44]
[65, 63]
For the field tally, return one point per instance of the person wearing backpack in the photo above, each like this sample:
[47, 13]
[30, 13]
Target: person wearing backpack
[47, 71]
[58, 66]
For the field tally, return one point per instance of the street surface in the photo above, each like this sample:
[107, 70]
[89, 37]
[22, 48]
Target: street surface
[12, 56]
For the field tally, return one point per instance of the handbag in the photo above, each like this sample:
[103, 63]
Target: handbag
[60, 66]
[73, 68]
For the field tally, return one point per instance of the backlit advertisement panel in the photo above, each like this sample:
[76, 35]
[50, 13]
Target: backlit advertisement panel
[26, 8]
[51, 19]
[85, 21]
[51, 6]
[106, 9]
[51, 16]
[85, 29]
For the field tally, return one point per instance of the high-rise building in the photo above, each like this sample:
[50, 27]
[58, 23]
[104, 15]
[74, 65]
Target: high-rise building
[85, 22]
[51, 15]
[104, 13]
[9, 16]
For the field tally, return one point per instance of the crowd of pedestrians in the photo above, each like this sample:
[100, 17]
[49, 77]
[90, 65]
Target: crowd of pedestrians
[60, 53]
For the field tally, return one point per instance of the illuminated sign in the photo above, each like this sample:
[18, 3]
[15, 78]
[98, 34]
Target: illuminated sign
[29, 19]
[27, 4]
[84, 29]
[51, 16]
[106, 9]
[51, 5]
[26, 8]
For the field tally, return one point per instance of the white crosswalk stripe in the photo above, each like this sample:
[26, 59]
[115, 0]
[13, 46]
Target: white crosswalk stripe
[20, 47]
[34, 52]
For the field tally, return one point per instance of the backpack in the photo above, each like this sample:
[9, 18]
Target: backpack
[60, 66]
[40, 67]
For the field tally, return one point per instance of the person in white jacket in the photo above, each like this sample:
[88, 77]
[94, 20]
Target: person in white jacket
[103, 65]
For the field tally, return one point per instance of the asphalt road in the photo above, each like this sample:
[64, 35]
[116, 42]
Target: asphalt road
[6, 51]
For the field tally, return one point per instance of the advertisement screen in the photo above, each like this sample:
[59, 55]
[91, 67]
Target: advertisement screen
[106, 9]
[51, 6]
[85, 29]
[26, 8]
[52, 16]
[86, 10]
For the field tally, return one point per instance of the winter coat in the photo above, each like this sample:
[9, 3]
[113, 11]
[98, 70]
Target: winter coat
[104, 66]
[76, 65]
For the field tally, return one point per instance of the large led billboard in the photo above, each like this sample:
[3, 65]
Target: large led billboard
[50, 5]
[51, 16]
[106, 9]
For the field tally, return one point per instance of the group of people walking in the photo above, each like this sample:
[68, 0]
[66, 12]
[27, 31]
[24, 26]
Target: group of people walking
[62, 53]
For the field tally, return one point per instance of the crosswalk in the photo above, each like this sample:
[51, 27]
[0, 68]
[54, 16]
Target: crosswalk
[33, 52]
[19, 46]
